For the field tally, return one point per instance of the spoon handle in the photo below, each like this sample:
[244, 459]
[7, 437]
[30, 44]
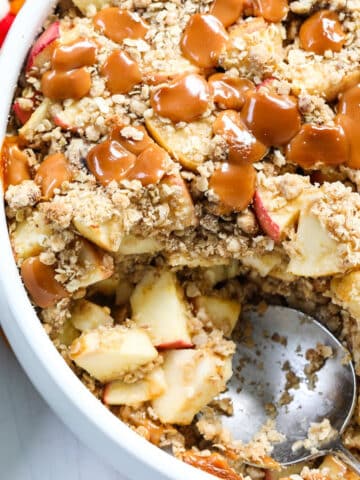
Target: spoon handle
[344, 454]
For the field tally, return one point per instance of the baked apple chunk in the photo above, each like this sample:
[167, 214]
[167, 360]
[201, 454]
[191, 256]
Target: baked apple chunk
[222, 312]
[314, 253]
[158, 305]
[189, 143]
[29, 236]
[87, 315]
[109, 353]
[106, 235]
[193, 378]
[132, 394]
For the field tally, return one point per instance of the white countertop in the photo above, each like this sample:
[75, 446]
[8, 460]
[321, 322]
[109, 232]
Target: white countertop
[34, 443]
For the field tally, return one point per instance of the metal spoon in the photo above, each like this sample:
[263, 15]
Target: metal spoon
[278, 335]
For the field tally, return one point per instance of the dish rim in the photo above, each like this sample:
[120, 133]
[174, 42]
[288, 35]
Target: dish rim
[76, 406]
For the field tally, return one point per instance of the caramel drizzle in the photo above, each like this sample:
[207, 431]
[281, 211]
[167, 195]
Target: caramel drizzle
[119, 158]
[203, 40]
[182, 100]
[39, 280]
[227, 11]
[68, 77]
[121, 72]
[118, 24]
[322, 31]
[52, 173]
[273, 119]
[14, 162]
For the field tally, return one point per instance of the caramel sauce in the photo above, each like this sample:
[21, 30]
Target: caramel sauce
[316, 144]
[182, 100]
[234, 185]
[215, 464]
[80, 53]
[39, 280]
[60, 85]
[271, 10]
[150, 166]
[68, 78]
[52, 173]
[351, 129]
[349, 103]
[109, 161]
[203, 40]
[243, 146]
[227, 11]
[229, 92]
[133, 146]
[14, 164]
[121, 72]
[273, 119]
[321, 32]
[118, 24]
[349, 119]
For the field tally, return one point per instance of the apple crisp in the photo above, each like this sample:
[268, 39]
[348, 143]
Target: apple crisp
[168, 164]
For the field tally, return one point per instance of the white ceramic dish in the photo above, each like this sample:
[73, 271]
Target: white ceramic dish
[64, 392]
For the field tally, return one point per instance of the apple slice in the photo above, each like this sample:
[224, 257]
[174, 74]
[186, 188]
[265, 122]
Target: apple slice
[121, 393]
[189, 144]
[106, 235]
[277, 222]
[134, 245]
[255, 46]
[95, 264]
[277, 214]
[263, 264]
[158, 305]
[40, 114]
[180, 202]
[63, 120]
[20, 113]
[223, 313]
[346, 291]
[158, 70]
[28, 238]
[41, 50]
[193, 378]
[105, 287]
[70, 117]
[313, 252]
[317, 77]
[109, 353]
[87, 315]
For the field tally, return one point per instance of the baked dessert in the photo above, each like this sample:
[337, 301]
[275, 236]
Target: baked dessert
[168, 164]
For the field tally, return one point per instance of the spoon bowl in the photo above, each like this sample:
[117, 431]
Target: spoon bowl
[272, 379]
